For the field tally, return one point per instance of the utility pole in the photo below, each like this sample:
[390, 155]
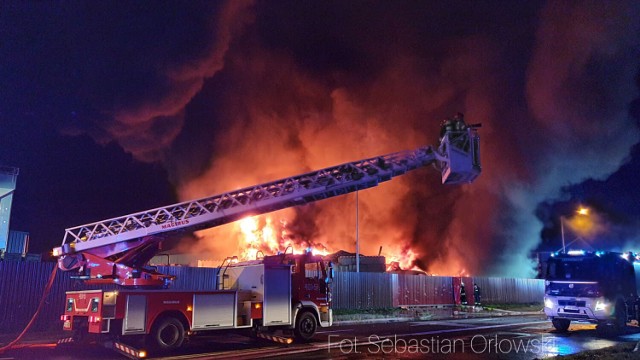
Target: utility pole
[584, 211]
[357, 237]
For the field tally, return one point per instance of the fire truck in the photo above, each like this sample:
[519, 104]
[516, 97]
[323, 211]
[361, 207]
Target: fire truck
[288, 293]
[599, 287]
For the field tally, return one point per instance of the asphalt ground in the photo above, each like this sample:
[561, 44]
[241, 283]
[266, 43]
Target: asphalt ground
[44, 338]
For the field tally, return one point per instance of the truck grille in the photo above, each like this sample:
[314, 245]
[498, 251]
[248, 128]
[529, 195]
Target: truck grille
[573, 316]
[572, 303]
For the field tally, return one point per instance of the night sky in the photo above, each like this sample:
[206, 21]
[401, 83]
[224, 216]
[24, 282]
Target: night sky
[110, 108]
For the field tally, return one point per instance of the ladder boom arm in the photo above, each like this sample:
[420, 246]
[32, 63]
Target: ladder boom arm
[259, 199]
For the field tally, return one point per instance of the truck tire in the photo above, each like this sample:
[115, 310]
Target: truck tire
[305, 326]
[80, 332]
[604, 330]
[167, 334]
[621, 318]
[561, 325]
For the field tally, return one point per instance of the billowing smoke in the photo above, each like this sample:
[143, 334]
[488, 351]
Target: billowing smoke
[232, 94]
[579, 89]
[139, 65]
[613, 219]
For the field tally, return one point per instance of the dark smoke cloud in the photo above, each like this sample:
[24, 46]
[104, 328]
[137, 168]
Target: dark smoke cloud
[579, 90]
[123, 73]
[614, 217]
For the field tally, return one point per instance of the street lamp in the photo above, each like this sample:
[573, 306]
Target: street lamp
[581, 211]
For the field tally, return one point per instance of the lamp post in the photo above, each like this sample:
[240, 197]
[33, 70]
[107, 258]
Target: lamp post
[581, 211]
[562, 233]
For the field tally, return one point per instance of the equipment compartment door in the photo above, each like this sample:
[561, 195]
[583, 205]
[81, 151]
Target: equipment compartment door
[135, 316]
[277, 296]
[212, 311]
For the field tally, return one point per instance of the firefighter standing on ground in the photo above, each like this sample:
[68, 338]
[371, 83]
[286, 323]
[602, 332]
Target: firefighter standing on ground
[476, 294]
[463, 295]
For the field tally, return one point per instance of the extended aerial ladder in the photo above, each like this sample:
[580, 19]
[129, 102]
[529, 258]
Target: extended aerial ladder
[116, 250]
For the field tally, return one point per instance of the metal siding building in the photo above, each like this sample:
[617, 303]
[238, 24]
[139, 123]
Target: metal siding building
[8, 178]
[18, 243]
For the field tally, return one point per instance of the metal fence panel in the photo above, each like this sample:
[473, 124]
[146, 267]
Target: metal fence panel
[509, 290]
[21, 287]
[421, 290]
[362, 290]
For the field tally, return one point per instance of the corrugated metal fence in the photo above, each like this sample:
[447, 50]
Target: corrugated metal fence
[352, 290]
[21, 288]
[422, 290]
[382, 290]
[22, 284]
[510, 291]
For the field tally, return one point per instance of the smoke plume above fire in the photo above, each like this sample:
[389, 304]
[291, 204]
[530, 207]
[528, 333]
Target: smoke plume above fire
[280, 88]
[378, 91]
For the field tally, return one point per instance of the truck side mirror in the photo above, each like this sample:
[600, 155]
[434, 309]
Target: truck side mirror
[330, 273]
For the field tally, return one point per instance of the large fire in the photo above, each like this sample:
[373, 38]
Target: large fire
[259, 236]
[411, 217]
[402, 261]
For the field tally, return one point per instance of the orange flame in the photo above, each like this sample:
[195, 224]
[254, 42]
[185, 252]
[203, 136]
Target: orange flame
[256, 240]
[402, 260]
[259, 236]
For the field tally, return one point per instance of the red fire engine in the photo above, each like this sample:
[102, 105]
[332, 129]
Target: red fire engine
[287, 292]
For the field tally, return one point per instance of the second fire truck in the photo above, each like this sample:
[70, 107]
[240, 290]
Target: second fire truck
[289, 293]
[600, 287]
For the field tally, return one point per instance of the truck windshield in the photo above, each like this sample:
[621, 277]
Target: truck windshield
[585, 269]
[312, 271]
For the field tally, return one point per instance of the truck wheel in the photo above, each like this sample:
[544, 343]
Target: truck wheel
[305, 326]
[621, 318]
[603, 330]
[561, 325]
[80, 333]
[167, 334]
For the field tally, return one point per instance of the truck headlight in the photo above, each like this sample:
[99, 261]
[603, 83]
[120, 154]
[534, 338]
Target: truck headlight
[548, 303]
[601, 305]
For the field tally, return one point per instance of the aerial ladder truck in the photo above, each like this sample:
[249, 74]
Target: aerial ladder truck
[287, 292]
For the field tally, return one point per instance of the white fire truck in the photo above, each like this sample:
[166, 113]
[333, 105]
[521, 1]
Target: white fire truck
[286, 292]
[599, 287]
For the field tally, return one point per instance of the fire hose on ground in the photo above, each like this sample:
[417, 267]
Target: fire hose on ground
[52, 277]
